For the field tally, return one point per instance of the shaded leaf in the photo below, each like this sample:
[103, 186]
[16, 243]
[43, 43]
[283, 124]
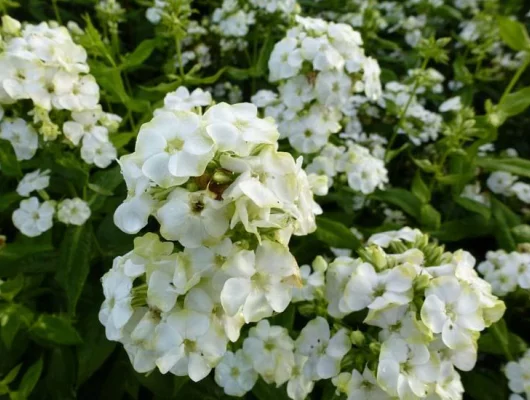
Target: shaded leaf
[55, 329]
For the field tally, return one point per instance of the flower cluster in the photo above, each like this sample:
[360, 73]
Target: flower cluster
[430, 307]
[43, 64]
[364, 172]
[234, 19]
[506, 271]
[319, 66]
[518, 374]
[218, 186]
[33, 218]
[506, 184]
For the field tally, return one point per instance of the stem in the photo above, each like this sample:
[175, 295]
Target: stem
[515, 78]
[179, 57]
[404, 111]
[56, 11]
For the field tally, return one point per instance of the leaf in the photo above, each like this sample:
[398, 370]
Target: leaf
[30, 379]
[514, 103]
[94, 350]
[106, 181]
[74, 262]
[286, 318]
[120, 140]
[521, 233]
[140, 54]
[474, 206]
[55, 329]
[71, 167]
[164, 386]
[12, 318]
[430, 217]
[12, 287]
[513, 165]
[8, 159]
[489, 343]
[264, 391]
[485, 385]
[11, 375]
[336, 234]
[99, 190]
[514, 34]
[503, 220]
[401, 198]
[420, 189]
[8, 199]
[452, 231]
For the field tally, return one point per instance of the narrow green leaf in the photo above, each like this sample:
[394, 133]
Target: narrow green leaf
[12, 375]
[474, 206]
[74, 262]
[513, 165]
[336, 234]
[264, 391]
[420, 189]
[142, 52]
[55, 329]
[513, 104]
[30, 379]
[503, 220]
[430, 217]
[452, 231]
[8, 199]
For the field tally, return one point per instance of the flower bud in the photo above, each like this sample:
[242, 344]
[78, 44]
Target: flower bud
[357, 338]
[319, 264]
[10, 25]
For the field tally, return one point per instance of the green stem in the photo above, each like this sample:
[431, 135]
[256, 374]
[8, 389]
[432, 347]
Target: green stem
[515, 78]
[56, 11]
[405, 109]
[179, 57]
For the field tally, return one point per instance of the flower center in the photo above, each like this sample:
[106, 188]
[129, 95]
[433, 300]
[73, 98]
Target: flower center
[175, 145]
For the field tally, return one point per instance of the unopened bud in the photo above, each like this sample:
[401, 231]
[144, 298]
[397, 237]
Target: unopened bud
[319, 264]
[357, 338]
[375, 347]
[10, 25]
[222, 176]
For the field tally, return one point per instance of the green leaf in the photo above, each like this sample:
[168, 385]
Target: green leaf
[12, 375]
[55, 329]
[420, 189]
[286, 318]
[106, 181]
[8, 159]
[94, 350]
[164, 386]
[12, 318]
[8, 199]
[489, 343]
[336, 234]
[514, 104]
[10, 288]
[264, 391]
[474, 206]
[430, 217]
[140, 54]
[513, 165]
[72, 168]
[74, 262]
[485, 385]
[120, 140]
[514, 34]
[100, 190]
[30, 379]
[463, 228]
[401, 198]
[503, 220]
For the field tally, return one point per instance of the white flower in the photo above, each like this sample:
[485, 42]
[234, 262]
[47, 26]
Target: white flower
[22, 136]
[264, 98]
[299, 385]
[367, 288]
[73, 211]
[235, 373]
[116, 310]
[33, 218]
[85, 123]
[371, 75]
[385, 238]
[325, 352]
[261, 283]
[311, 283]
[452, 104]
[192, 218]
[359, 386]
[33, 181]
[500, 182]
[173, 147]
[522, 191]
[185, 346]
[139, 339]
[285, 60]
[337, 277]
[271, 350]
[517, 374]
[95, 151]
[452, 309]
[405, 370]
[183, 100]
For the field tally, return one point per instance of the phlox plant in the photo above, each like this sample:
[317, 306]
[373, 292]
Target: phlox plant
[264, 199]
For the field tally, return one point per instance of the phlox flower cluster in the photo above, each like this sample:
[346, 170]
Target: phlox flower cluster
[364, 172]
[318, 67]
[428, 306]
[518, 374]
[506, 184]
[216, 184]
[506, 271]
[235, 18]
[43, 64]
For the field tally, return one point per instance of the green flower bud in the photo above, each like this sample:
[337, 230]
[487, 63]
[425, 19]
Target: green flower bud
[319, 264]
[357, 338]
